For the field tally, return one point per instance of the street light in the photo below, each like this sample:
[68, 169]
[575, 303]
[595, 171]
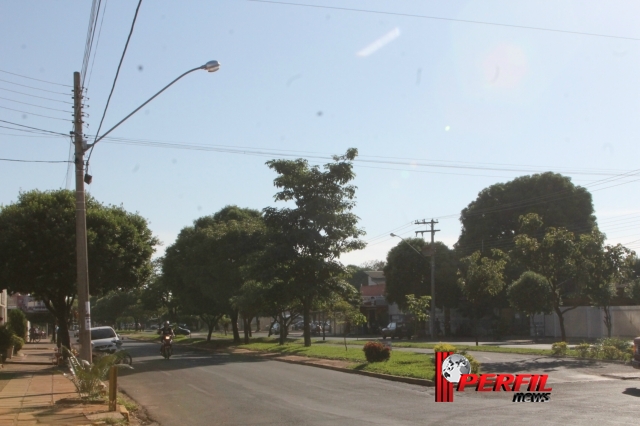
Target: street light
[433, 288]
[81, 212]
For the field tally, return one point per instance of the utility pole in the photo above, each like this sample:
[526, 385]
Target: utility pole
[432, 253]
[82, 258]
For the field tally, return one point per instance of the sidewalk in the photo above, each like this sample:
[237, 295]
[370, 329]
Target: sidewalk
[34, 392]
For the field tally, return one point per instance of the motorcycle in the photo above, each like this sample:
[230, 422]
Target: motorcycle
[166, 348]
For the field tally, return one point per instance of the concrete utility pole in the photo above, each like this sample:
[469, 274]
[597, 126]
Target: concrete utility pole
[84, 310]
[431, 252]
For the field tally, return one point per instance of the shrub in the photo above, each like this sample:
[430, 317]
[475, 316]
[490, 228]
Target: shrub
[17, 343]
[444, 347]
[619, 344]
[88, 377]
[559, 348]
[376, 352]
[17, 323]
[5, 339]
[582, 349]
[475, 365]
[611, 352]
[594, 351]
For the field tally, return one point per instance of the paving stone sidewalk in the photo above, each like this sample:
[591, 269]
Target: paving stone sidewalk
[34, 393]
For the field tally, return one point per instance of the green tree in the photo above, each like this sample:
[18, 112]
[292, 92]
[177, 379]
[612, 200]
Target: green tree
[38, 250]
[407, 272]
[555, 254]
[307, 239]
[419, 308]
[601, 268]
[108, 308]
[481, 279]
[206, 266]
[531, 294]
[492, 219]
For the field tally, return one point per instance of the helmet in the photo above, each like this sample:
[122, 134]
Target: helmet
[166, 323]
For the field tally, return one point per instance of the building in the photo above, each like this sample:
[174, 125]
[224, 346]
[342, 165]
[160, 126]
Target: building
[374, 304]
[3, 307]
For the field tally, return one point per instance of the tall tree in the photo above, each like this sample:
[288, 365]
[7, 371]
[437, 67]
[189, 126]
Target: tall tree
[307, 239]
[602, 268]
[407, 272]
[38, 250]
[555, 254]
[204, 268]
[481, 279]
[492, 219]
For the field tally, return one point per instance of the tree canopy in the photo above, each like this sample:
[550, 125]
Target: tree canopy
[38, 249]
[492, 219]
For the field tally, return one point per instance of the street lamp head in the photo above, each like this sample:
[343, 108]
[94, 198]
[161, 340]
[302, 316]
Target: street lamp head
[393, 235]
[211, 66]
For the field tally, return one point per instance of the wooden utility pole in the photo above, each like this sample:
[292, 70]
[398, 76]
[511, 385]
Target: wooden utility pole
[432, 253]
[82, 258]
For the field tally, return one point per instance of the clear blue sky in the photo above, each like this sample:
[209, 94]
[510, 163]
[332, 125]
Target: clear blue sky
[408, 90]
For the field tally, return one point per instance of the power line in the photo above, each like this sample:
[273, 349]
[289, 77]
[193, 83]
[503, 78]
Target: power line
[37, 115]
[104, 10]
[33, 128]
[34, 105]
[437, 18]
[36, 79]
[32, 161]
[34, 88]
[91, 30]
[115, 79]
[34, 96]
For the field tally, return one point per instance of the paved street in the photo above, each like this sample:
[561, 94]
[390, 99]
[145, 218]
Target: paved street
[195, 388]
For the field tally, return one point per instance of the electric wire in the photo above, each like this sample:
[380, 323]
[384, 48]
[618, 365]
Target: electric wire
[115, 79]
[33, 161]
[33, 128]
[91, 30]
[437, 18]
[33, 105]
[36, 79]
[37, 115]
[34, 88]
[104, 10]
[34, 96]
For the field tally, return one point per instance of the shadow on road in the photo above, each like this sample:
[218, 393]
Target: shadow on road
[545, 364]
[632, 392]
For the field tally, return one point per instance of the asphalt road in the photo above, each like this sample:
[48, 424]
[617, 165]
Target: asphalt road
[199, 388]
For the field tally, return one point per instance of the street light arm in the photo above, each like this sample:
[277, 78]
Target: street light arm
[412, 247]
[141, 106]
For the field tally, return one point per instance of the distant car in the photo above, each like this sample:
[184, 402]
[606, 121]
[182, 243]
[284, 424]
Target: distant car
[635, 362]
[275, 328]
[181, 331]
[394, 329]
[105, 339]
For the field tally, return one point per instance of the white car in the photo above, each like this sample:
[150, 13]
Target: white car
[105, 339]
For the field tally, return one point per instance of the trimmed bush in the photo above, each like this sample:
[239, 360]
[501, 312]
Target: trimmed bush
[594, 351]
[475, 365]
[582, 349]
[611, 352]
[619, 344]
[5, 340]
[444, 347]
[376, 352]
[559, 348]
[17, 343]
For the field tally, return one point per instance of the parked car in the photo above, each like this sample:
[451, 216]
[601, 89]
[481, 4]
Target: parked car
[275, 328]
[181, 330]
[635, 362]
[105, 339]
[394, 329]
[298, 325]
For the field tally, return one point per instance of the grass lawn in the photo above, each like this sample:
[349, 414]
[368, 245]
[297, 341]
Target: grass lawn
[405, 364]
[480, 348]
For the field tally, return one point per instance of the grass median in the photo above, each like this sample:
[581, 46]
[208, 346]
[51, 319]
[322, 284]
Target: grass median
[404, 364]
[480, 348]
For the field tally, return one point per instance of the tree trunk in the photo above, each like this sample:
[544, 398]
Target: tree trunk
[282, 336]
[249, 326]
[560, 315]
[257, 324]
[234, 326]
[246, 326]
[323, 327]
[306, 315]
[447, 321]
[210, 326]
[607, 319]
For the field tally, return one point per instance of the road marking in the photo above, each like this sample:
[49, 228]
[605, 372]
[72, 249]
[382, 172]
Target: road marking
[200, 390]
[166, 374]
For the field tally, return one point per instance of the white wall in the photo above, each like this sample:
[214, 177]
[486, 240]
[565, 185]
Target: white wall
[588, 322]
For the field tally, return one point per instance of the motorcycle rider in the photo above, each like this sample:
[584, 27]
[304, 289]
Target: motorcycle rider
[164, 331]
